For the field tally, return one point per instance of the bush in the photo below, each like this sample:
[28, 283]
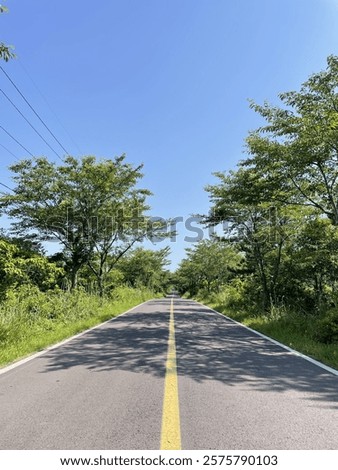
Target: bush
[232, 295]
[327, 328]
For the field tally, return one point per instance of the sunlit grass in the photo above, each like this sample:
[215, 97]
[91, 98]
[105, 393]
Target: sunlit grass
[30, 320]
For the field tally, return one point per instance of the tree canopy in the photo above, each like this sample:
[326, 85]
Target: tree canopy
[208, 265]
[6, 52]
[296, 153]
[93, 208]
[279, 207]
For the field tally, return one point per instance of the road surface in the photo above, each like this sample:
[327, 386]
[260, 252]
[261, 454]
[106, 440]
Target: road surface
[169, 374]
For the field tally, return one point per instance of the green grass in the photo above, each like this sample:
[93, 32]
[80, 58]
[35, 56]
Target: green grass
[31, 320]
[293, 330]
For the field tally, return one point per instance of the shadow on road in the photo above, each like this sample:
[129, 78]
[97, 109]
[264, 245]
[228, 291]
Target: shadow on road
[135, 342]
[208, 348]
[212, 348]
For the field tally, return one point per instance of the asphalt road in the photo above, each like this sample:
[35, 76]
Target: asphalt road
[105, 389]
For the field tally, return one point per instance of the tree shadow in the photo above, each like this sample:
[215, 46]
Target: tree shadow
[135, 342]
[209, 348]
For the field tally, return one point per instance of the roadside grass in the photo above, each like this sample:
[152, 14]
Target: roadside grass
[294, 330]
[31, 320]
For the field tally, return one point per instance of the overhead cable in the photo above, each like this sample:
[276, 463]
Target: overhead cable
[16, 140]
[20, 62]
[35, 112]
[7, 187]
[30, 124]
[9, 151]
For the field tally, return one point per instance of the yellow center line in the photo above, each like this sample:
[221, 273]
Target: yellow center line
[171, 431]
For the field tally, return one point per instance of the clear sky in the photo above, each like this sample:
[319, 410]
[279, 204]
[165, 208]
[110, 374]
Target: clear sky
[164, 81]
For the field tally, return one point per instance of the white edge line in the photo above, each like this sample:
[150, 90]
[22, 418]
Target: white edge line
[293, 351]
[20, 362]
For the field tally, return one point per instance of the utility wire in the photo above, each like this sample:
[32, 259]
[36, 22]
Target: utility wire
[7, 187]
[30, 124]
[48, 104]
[31, 107]
[15, 140]
[9, 151]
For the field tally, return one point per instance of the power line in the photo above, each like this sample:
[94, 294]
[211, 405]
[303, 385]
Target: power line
[9, 151]
[20, 62]
[30, 124]
[15, 140]
[31, 107]
[7, 187]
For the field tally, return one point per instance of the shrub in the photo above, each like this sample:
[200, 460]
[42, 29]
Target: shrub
[327, 328]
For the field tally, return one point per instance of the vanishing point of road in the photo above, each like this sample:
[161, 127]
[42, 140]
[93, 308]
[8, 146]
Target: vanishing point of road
[169, 374]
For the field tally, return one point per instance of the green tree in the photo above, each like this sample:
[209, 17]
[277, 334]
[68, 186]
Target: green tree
[277, 207]
[311, 268]
[146, 268]
[297, 151]
[186, 279]
[6, 52]
[20, 266]
[93, 208]
[259, 230]
[208, 266]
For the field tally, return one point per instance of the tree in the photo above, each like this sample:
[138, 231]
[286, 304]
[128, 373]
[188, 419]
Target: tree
[259, 230]
[297, 151]
[91, 207]
[311, 269]
[280, 207]
[5, 51]
[208, 265]
[20, 266]
[146, 268]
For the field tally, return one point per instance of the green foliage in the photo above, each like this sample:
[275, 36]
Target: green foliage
[10, 272]
[327, 328]
[145, 268]
[258, 230]
[93, 208]
[296, 151]
[18, 267]
[280, 205]
[31, 320]
[41, 273]
[231, 295]
[208, 266]
[6, 52]
[279, 209]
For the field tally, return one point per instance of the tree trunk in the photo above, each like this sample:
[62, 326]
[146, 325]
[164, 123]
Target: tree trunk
[73, 278]
[275, 276]
[319, 290]
[264, 282]
[100, 284]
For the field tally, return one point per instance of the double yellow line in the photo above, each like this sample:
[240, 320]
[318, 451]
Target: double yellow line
[171, 431]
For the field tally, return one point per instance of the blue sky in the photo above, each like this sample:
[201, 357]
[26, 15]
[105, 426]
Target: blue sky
[164, 81]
